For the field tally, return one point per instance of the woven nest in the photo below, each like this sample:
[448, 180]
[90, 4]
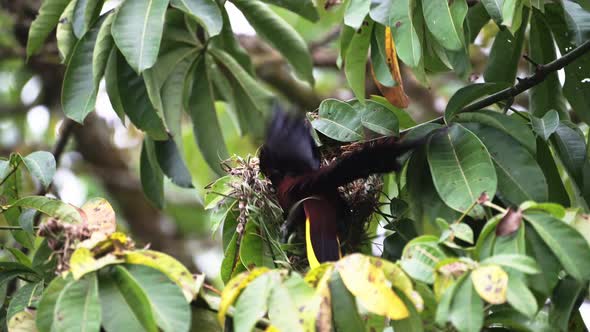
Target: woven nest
[254, 192]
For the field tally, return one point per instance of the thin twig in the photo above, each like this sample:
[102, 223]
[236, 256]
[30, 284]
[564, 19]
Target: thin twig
[67, 128]
[9, 173]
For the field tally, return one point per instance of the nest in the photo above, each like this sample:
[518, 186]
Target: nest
[257, 199]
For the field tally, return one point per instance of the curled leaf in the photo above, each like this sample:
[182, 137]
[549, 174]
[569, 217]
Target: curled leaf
[394, 94]
[510, 223]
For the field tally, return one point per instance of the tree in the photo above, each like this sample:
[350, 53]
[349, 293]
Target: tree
[486, 223]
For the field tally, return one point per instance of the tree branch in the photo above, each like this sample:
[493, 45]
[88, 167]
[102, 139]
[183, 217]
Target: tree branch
[541, 72]
[66, 130]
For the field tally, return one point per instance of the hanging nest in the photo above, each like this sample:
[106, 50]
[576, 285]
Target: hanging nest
[257, 201]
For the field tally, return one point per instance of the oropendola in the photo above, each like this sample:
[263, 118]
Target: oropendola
[291, 160]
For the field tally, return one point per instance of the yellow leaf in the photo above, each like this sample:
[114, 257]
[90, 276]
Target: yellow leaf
[399, 279]
[83, 262]
[23, 321]
[100, 216]
[395, 94]
[368, 284]
[314, 275]
[316, 314]
[491, 283]
[272, 328]
[447, 272]
[169, 266]
[234, 287]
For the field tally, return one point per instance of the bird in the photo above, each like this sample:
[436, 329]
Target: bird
[291, 160]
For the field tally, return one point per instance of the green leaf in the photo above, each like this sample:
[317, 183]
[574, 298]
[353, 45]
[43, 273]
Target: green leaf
[461, 167]
[85, 11]
[344, 308]
[170, 308]
[443, 309]
[379, 119]
[170, 71]
[46, 308]
[172, 164]
[46, 20]
[520, 178]
[152, 179]
[64, 33]
[570, 146]
[218, 191]
[420, 257]
[79, 90]
[520, 297]
[252, 249]
[125, 306]
[405, 120]
[134, 100]
[10, 194]
[536, 247]
[575, 22]
[414, 322]
[78, 306]
[494, 8]
[282, 311]
[206, 12]
[546, 161]
[355, 13]
[280, 35]
[250, 98]
[173, 94]
[227, 41]
[41, 165]
[206, 126]
[462, 232]
[468, 94]
[477, 18]
[567, 244]
[112, 84]
[355, 60]
[19, 256]
[441, 23]
[339, 121]
[425, 203]
[303, 8]
[512, 126]
[547, 95]
[563, 301]
[137, 31]
[398, 16]
[506, 53]
[518, 262]
[51, 207]
[466, 312]
[546, 125]
[25, 297]
[102, 49]
[252, 303]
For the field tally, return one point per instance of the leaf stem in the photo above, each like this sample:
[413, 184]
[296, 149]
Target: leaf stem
[14, 168]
